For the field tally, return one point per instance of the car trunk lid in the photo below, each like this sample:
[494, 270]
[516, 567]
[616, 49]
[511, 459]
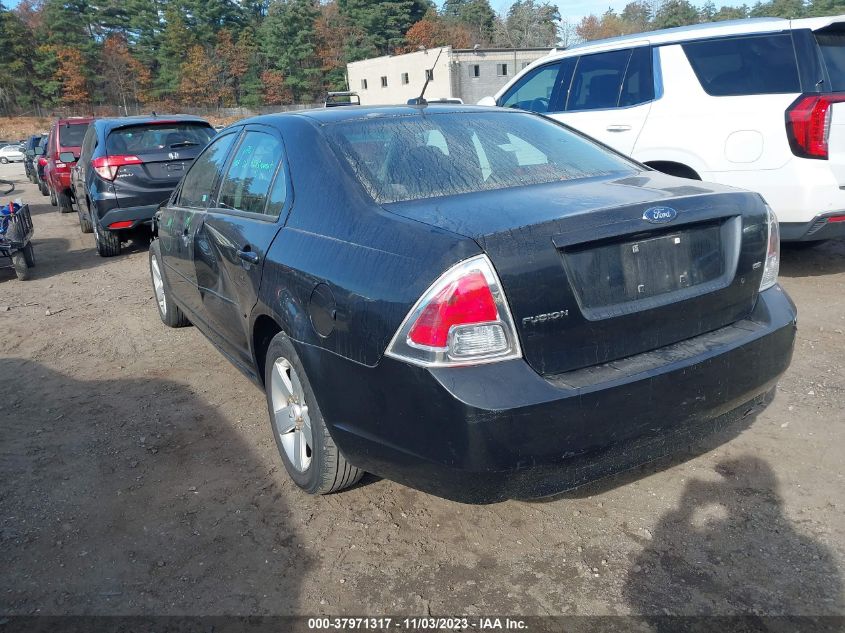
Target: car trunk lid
[589, 280]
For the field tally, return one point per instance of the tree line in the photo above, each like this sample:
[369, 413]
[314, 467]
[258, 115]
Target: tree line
[213, 53]
[648, 15]
[83, 53]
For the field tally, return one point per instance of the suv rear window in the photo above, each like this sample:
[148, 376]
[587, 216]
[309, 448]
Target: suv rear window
[158, 137]
[753, 65]
[832, 45]
[403, 158]
[71, 135]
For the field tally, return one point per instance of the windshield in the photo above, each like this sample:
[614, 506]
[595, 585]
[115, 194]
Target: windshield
[71, 135]
[442, 154]
[163, 137]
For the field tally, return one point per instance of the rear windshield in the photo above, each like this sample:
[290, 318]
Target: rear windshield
[442, 154]
[149, 139]
[753, 65]
[72, 135]
[832, 47]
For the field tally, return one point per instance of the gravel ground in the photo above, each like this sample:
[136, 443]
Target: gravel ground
[138, 476]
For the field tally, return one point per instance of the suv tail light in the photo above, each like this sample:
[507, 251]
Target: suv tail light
[107, 166]
[808, 124]
[462, 319]
[772, 265]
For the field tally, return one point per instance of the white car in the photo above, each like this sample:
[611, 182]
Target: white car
[758, 104]
[11, 154]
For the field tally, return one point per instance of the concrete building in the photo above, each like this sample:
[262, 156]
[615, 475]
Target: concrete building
[467, 74]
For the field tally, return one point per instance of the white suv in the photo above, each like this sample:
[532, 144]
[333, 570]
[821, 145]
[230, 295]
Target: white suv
[758, 104]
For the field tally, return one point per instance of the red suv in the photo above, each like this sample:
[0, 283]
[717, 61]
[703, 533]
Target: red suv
[63, 149]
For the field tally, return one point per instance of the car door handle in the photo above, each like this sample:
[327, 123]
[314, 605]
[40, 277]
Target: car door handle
[247, 255]
[618, 128]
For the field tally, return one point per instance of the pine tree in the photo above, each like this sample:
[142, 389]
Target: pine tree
[175, 42]
[288, 39]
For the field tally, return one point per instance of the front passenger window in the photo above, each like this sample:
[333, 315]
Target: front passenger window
[198, 182]
[247, 182]
[535, 91]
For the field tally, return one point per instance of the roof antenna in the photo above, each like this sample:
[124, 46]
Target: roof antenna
[428, 75]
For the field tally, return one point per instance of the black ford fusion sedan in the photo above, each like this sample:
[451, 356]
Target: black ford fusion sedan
[479, 303]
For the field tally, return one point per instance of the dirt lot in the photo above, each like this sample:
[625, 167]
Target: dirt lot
[139, 476]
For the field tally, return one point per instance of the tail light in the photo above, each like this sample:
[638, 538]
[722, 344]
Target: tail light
[772, 265]
[808, 124]
[42, 161]
[107, 166]
[462, 319]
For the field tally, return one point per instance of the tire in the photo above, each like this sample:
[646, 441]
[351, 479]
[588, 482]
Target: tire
[171, 314]
[42, 187]
[29, 255]
[108, 242]
[64, 203]
[21, 268]
[84, 223]
[53, 200]
[4, 160]
[320, 468]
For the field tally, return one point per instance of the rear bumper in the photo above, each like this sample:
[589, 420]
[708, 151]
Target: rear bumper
[141, 215]
[485, 433]
[819, 228]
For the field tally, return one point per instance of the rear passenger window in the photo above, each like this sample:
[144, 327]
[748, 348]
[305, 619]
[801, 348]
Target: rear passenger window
[753, 65]
[638, 86]
[598, 81]
[197, 184]
[247, 183]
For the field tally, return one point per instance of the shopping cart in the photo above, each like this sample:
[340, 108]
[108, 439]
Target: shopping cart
[16, 236]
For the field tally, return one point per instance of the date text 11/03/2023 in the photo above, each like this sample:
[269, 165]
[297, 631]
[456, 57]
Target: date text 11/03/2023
[418, 624]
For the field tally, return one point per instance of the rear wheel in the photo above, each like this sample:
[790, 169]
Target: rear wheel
[4, 160]
[42, 187]
[65, 205]
[171, 315]
[308, 452]
[84, 223]
[20, 265]
[108, 242]
[53, 199]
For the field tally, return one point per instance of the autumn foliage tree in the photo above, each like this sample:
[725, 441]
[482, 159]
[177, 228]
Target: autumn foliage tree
[127, 80]
[275, 90]
[434, 31]
[200, 74]
[74, 83]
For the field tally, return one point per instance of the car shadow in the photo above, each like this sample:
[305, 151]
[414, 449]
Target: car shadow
[54, 255]
[800, 260]
[123, 496]
[729, 549]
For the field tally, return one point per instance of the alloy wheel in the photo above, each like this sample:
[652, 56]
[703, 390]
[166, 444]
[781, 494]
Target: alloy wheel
[290, 414]
[158, 286]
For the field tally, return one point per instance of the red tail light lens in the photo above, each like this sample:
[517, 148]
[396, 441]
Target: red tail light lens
[123, 224]
[462, 319]
[42, 161]
[808, 124]
[466, 300]
[107, 166]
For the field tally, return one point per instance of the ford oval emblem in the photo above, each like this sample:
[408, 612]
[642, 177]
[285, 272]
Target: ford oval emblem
[660, 215]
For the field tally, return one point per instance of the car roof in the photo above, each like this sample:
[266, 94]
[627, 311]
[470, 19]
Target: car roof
[323, 116]
[679, 34]
[75, 120]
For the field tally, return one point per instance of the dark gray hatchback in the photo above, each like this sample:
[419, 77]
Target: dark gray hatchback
[128, 166]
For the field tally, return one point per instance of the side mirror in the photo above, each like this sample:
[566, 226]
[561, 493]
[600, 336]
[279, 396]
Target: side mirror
[39, 151]
[67, 157]
[487, 101]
